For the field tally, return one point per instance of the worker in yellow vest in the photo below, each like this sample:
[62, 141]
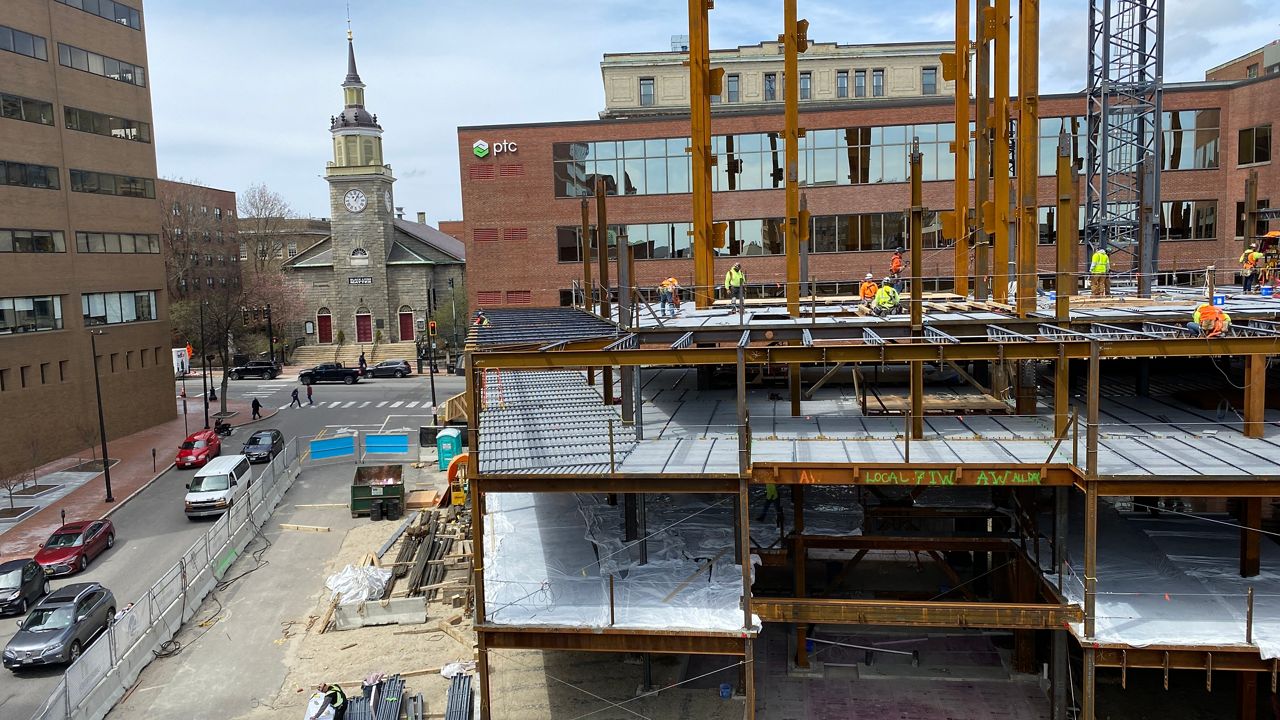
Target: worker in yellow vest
[887, 299]
[771, 499]
[1249, 262]
[733, 281]
[1209, 321]
[1100, 273]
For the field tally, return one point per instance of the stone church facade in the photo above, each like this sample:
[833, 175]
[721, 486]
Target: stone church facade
[377, 277]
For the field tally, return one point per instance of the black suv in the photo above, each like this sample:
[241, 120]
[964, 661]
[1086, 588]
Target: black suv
[264, 369]
[329, 372]
[263, 445]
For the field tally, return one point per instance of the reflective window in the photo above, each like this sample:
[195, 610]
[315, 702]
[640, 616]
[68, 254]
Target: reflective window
[134, 243]
[23, 43]
[118, 307]
[90, 62]
[877, 83]
[29, 175]
[929, 81]
[32, 241]
[732, 93]
[646, 91]
[16, 107]
[101, 124]
[860, 83]
[842, 83]
[1190, 139]
[771, 89]
[30, 314]
[806, 85]
[1254, 146]
[1189, 220]
[86, 181]
[109, 10]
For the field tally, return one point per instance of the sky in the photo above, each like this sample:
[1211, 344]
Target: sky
[242, 90]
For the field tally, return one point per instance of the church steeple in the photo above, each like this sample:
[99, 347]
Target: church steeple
[357, 136]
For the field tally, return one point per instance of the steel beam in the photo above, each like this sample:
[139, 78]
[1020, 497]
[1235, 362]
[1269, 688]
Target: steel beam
[918, 543]
[1255, 394]
[1001, 196]
[1064, 284]
[1229, 658]
[791, 136]
[595, 639]
[1250, 536]
[700, 152]
[1227, 486]
[613, 483]
[960, 148]
[1028, 153]
[905, 613]
[588, 290]
[602, 248]
[985, 29]
[915, 474]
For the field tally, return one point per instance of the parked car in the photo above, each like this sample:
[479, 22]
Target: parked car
[72, 546]
[391, 368]
[329, 372]
[263, 446]
[61, 626]
[199, 448]
[216, 486]
[22, 583]
[264, 369]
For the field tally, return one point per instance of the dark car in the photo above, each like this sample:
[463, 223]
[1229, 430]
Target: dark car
[391, 368]
[264, 369]
[263, 446]
[22, 583]
[72, 546]
[329, 372]
[61, 626]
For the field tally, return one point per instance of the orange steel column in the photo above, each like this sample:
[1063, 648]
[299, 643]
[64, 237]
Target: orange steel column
[795, 33]
[1028, 152]
[983, 30]
[1255, 394]
[1000, 196]
[915, 230]
[960, 147]
[700, 149]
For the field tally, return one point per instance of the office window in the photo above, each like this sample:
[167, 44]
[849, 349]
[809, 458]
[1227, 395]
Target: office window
[23, 43]
[771, 87]
[842, 83]
[28, 175]
[1260, 226]
[293, 249]
[108, 10]
[732, 83]
[16, 107]
[877, 83]
[1255, 145]
[1191, 139]
[1251, 71]
[646, 92]
[87, 181]
[118, 307]
[108, 125]
[91, 62]
[806, 86]
[32, 241]
[217, 215]
[23, 373]
[860, 83]
[62, 371]
[1189, 220]
[929, 81]
[30, 314]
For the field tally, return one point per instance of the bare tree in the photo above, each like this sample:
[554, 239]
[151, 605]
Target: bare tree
[264, 216]
[86, 428]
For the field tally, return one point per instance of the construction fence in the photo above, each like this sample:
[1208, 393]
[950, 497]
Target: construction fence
[109, 667]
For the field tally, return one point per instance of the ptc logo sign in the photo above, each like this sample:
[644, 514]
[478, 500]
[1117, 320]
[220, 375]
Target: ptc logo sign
[481, 148]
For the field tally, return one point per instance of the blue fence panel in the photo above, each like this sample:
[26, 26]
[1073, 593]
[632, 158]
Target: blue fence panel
[333, 447]
[386, 444]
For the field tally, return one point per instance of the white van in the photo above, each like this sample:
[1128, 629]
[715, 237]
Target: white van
[222, 481]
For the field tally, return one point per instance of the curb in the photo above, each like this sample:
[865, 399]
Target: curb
[121, 503]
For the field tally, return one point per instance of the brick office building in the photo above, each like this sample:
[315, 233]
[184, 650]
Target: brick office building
[79, 230]
[521, 189]
[199, 238]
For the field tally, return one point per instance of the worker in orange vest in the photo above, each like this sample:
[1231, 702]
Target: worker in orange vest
[1249, 266]
[896, 265]
[1209, 321]
[669, 297]
[867, 290]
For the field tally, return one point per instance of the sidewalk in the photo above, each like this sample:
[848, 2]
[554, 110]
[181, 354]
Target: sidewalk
[130, 474]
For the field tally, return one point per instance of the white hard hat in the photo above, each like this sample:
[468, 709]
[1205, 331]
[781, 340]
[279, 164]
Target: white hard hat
[869, 276]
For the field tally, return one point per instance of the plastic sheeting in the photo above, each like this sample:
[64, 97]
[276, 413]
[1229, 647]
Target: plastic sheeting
[356, 584]
[1173, 581]
[549, 557]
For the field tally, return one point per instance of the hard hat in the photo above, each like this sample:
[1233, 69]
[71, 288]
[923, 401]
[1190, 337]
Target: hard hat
[888, 281]
[869, 276]
[898, 250]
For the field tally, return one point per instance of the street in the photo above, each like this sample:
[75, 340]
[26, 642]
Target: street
[151, 530]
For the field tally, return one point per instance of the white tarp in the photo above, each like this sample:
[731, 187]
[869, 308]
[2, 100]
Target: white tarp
[356, 584]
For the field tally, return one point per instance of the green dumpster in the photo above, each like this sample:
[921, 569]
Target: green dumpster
[448, 445]
[375, 482]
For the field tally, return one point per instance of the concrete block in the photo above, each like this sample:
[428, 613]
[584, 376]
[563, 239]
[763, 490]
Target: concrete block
[397, 611]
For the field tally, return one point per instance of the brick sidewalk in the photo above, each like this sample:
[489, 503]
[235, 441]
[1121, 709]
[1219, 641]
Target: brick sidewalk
[133, 472]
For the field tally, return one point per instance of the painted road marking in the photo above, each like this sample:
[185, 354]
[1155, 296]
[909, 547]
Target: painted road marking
[411, 405]
[366, 403]
[397, 403]
[384, 402]
[353, 402]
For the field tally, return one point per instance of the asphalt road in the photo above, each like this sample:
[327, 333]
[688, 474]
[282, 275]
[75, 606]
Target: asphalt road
[151, 530]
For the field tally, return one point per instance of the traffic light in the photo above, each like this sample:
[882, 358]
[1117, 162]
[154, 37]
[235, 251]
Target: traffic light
[431, 328]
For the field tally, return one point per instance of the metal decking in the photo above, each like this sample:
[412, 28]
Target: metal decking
[538, 326]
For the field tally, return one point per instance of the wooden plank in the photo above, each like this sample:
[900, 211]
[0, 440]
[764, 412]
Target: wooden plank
[304, 528]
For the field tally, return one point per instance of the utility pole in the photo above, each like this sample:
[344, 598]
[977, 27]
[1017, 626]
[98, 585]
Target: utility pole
[795, 40]
[102, 423]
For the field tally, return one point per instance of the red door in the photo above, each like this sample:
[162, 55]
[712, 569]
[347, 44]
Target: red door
[324, 324]
[406, 326]
[364, 328]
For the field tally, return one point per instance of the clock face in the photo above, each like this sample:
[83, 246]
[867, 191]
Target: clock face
[355, 201]
[386, 200]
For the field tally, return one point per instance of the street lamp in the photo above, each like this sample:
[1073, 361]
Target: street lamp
[271, 336]
[102, 423]
[204, 367]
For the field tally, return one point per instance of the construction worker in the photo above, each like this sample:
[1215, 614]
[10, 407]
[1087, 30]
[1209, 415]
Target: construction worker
[1249, 266]
[867, 290]
[333, 698]
[1099, 273]
[771, 499]
[896, 266]
[733, 281]
[1209, 321]
[669, 297]
[481, 320]
[887, 299]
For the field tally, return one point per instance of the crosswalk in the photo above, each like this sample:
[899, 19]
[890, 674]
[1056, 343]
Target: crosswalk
[388, 404]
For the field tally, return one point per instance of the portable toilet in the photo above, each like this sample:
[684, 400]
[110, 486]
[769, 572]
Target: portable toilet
[448, 445]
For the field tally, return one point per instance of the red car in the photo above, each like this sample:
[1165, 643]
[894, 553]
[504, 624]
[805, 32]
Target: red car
[199, 448]
[71, 547]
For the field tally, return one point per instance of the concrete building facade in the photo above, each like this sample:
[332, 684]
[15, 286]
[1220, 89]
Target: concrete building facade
[374, 276]
[80, 242]
[525, 201]
[658, 82]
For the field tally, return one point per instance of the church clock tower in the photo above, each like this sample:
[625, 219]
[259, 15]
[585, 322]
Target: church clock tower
[361, 209]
